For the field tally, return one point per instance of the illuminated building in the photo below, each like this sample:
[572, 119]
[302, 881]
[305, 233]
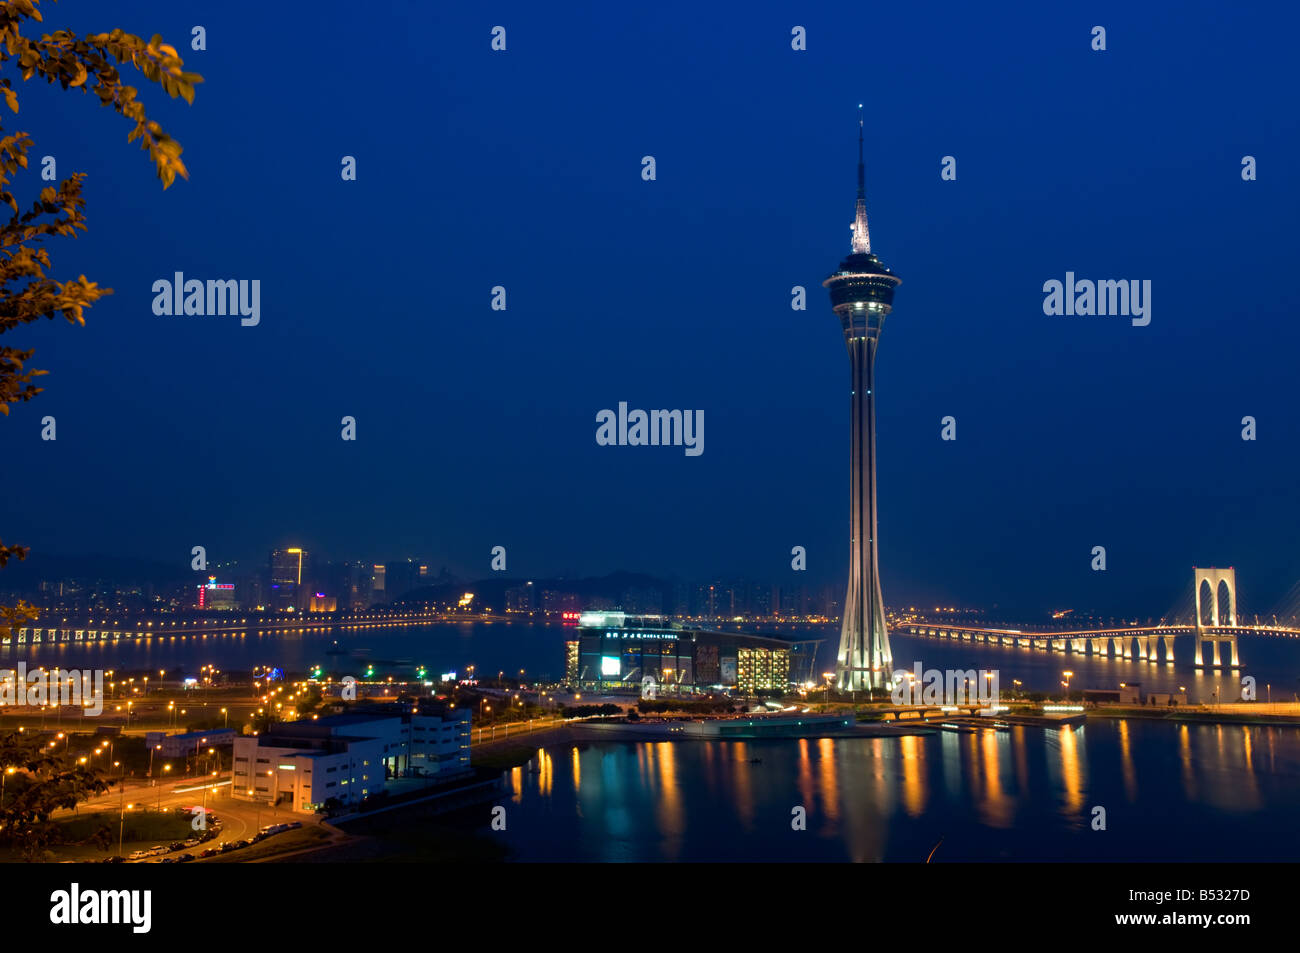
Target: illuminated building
[862, 295]
[288, 572]
[346, 757]
[217, 596]
[617, 650]
[762, 670]
[571, 652]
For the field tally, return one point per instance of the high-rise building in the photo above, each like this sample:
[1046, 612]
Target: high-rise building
[400, 578]
[521, 598]
[555, 602]
[361, 584]
[289, 579]
[862, 295]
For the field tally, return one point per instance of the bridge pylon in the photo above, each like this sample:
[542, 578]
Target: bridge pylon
[1211, 580]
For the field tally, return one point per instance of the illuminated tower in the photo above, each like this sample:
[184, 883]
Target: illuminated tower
[862, 294]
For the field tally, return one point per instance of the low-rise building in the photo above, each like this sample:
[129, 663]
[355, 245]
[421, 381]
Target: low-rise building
[350, 756]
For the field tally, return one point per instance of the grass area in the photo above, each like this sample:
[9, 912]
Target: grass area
[141, 830]
[503, 757]
[308, 836]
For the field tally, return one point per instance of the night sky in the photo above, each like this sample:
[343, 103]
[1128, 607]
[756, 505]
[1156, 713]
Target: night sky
[477, 168]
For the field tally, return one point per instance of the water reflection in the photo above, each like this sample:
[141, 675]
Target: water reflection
[1021, 794]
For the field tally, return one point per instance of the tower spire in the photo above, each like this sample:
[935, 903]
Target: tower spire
[861, 236]
[862, 177]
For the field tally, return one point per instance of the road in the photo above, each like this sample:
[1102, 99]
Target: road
[240, 819]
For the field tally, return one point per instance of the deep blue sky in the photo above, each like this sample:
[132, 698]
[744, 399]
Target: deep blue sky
[476, 168]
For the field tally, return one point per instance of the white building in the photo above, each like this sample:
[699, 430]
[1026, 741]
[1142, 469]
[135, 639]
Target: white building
[349, 756]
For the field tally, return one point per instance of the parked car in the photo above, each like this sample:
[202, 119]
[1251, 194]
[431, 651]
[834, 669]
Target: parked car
[210, 852]
[185, 858]
[115, 859]
[168, 860]
[177, 845]
[295, 825]
[158, 849]
[230, 845]
[138, 854]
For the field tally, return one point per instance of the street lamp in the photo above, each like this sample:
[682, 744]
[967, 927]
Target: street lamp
[121, 825]
[1068, 676]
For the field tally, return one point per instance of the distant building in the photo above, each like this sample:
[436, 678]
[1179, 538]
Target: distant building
[361, 584]
[554, 603]
[216, 596]
[288, 576]
[643, 599]
[379, 585]
[1166, 699]
[400, 578]
[520, 598]
[191, 742]
[350, 756]
[1124, 695]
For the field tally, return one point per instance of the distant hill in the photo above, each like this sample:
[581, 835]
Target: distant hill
[492, 590]
[110, 569]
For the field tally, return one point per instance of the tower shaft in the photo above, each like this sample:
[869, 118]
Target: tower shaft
[864, 654]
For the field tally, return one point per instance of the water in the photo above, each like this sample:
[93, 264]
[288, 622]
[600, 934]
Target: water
[1170, 792]
[539, 650]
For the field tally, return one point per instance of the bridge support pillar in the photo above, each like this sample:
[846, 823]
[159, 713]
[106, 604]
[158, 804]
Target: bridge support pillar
[1236, 661]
